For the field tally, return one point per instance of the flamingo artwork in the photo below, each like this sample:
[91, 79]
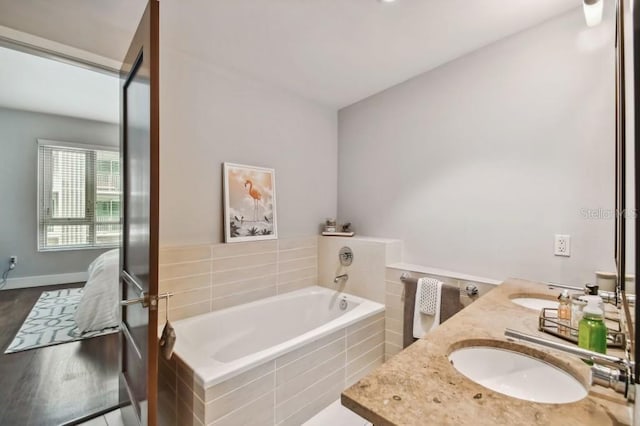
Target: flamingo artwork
[247, 189]
[256, 195]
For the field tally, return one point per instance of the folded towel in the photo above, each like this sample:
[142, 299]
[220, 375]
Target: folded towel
[426, 314]
[428, 289]
[450, 303]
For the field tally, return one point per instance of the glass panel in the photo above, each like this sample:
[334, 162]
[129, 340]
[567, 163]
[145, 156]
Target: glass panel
[108, 233]
[108, 172]
[68, 184]
[85, 189]
[67, 235]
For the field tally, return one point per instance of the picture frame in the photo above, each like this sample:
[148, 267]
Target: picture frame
[249, 203]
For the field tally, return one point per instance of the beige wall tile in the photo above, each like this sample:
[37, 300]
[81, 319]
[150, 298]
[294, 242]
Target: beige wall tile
[219, 407]
[308, 348]
[259, 412]
[288, 255]
[243, 274]
[166, 376]
[390, 350]
[284, 277]
[366, 273]
[393, 325]
[364, 323]
[314, 407]
[392, 274]
[394, 312]
[236, 382]
[184, 392]
[367, 358]
[167, 407]
[229, 289]
[294, 265]
[393, 338]
[299, 366]
[241, 262]
[183, 371]
[189, 310]
[297, 242]
[186, 283]
[307, 378]
[168, 255]
[169, 364]
[365, 332]
[296, 285]
[239, 249]
[359, 349]
[186, 269]
[395, 288]
[393, 301]
[191, 400]
[184, 298]
[240, 273]
[240, 298]
[361, 373]
[185, 415]
[293, 405]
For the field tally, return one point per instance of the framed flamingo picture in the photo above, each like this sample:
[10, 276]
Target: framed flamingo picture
[249, 203]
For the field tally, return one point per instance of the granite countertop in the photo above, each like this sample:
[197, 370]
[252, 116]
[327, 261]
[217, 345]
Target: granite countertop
[419, 386]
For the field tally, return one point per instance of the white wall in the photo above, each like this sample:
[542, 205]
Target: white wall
[209, 116]
[477, 164]
[18, 186]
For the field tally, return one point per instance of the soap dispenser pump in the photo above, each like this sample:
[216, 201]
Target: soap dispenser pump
[592, 332]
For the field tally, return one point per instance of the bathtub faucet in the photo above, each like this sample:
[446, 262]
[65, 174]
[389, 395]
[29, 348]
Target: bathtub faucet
[341, 277]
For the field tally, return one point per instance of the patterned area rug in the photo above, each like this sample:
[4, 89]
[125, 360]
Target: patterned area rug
[51, 322]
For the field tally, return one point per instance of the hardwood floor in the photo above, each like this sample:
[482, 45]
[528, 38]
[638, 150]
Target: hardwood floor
[56, 384]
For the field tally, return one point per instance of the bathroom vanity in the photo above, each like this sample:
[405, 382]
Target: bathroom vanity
[420, 386]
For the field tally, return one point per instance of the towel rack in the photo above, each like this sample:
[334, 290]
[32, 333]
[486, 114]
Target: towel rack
[471, 289]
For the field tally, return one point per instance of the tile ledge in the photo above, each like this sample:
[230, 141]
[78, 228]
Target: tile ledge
[442, 272]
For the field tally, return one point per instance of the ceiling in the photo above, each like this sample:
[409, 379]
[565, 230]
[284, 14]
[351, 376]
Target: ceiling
[334, 52]
[103, 27]
[338, 52]
[38, 84]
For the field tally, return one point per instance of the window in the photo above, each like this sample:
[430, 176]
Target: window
[79, 196]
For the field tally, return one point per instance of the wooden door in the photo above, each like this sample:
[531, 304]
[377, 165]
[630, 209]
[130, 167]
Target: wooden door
[139, 255]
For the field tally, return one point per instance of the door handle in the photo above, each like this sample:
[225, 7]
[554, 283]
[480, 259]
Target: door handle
[143, 299]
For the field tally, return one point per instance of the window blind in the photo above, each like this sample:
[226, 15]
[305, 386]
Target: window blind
[79, 197]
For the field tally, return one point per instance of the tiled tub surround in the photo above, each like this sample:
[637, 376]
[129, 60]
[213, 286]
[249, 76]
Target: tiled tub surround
[394, 299]
[205, 278]
[286, 390]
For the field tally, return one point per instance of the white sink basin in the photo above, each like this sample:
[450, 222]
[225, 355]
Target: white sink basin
[535, 303]
[517, 375]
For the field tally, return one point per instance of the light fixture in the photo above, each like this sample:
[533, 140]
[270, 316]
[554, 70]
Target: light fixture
[592, 11]
[386, 1]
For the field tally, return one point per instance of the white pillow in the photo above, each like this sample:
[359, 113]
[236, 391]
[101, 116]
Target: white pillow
[98, 307]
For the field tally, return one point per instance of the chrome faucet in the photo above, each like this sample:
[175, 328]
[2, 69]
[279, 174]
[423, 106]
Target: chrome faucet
[607, 370]
[341, 277]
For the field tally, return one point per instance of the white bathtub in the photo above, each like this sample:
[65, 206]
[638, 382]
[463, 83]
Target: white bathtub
[222, 344]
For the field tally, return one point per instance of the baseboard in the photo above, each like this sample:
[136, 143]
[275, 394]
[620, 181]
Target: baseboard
[42, 280]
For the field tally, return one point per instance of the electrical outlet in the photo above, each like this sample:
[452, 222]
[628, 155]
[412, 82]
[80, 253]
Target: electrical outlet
[562, 246]
[14, 260]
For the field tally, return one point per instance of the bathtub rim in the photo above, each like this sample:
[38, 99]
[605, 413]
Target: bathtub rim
[208, 372]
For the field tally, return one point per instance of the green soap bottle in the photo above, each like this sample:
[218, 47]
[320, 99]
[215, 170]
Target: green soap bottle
[592, 332]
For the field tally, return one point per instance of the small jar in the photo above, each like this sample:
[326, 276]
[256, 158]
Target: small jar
[330, 225]
[606, 280]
